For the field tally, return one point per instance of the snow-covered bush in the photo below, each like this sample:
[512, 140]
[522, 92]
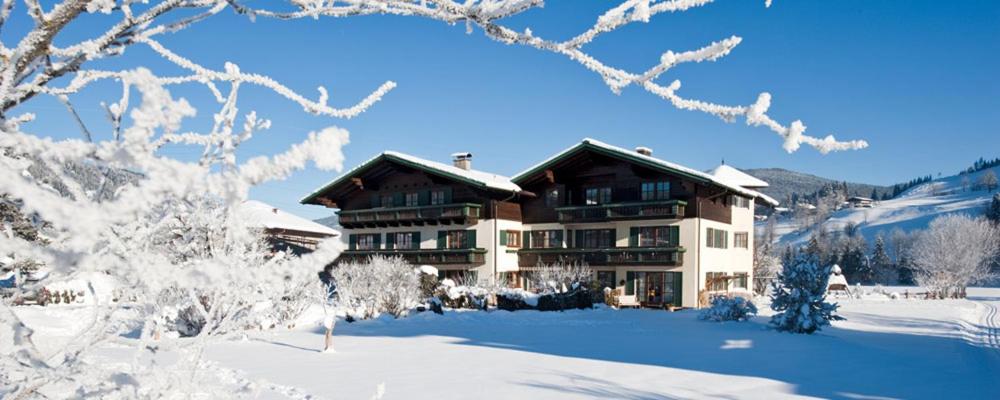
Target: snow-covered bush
[378, 285]
[799, 297]
[726, 308]
[955, 251]
[465, 293]
[560, 277]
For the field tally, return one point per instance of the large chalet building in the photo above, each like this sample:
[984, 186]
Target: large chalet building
[655, 230]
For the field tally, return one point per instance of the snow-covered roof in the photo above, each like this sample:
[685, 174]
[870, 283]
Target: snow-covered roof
[478, 178]
[633, 155]
[267, 216]
[733, 175]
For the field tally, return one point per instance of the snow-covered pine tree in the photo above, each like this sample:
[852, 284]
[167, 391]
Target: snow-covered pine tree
[885, 271]
[993, 211]
[799, 296]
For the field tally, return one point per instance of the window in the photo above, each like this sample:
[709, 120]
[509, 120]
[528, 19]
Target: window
[595, 238]
[741, 202]
[367, 241]
[457, 240]
[740, 280]
[655, 236]
[552, 198]
[546, 239]
[386, 201]
[402, 240]
[412, 199]
[437, 197]
[510, 239]
[596, 196]
[741, 240]
[717, 281]
[662, 190]
[717, 238]
[606, 279]
[655, 191]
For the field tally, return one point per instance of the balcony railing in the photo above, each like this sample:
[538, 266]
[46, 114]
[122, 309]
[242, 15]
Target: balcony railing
[422, 256]
[603, 256]
[665, 209]
[462, 213]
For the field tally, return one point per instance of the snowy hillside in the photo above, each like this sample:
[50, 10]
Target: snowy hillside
[912, 210]
[783, 183]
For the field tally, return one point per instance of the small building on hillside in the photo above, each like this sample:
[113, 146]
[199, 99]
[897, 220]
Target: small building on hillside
[860, 202]
[285, 231]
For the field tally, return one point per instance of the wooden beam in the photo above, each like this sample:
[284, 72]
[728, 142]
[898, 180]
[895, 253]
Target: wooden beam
[357, 182]
[326, 202]
[550, 176]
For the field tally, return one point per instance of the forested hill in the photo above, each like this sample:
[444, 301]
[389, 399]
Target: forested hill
[784, 183]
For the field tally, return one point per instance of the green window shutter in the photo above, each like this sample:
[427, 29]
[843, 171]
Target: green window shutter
[442, 239]
[447, 195]
[440, 275]
[629, 283]
[678, 288]
[526, 239]
[390, 241]
[375, 201]
[633, 237]
[424, 197]
[398, 200]
[503, 238]
[378, 240]
[675, 235]
[352, 241]
[416, 240]
[559, 238]
[470, 239]
[578, 242]
[710, 237]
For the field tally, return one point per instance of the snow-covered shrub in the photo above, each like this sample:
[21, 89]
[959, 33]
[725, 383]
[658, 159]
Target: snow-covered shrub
[378, 285]
[560, 277]
[955, 251]
[799, 297]
[726, 308]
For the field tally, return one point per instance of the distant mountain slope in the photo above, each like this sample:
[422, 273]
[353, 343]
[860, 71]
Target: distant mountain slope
[784, 182]
[913, 209]
[330, 221]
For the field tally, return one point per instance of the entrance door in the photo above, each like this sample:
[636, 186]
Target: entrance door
[654, 288]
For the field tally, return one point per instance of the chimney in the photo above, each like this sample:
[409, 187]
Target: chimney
[646, 151]
[462, 160]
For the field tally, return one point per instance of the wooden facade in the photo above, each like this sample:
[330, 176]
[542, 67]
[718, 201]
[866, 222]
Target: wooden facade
[574, 175]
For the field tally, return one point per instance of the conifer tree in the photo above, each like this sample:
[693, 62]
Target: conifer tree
[993, 212]
[885, 272]
[799, 297]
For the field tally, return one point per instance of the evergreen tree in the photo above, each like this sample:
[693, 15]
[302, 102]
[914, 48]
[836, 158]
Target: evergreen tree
[874, 195]
[885, 272]
[799, 297]
[993, 212]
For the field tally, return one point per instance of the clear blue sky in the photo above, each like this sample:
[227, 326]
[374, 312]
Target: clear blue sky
[916, 78]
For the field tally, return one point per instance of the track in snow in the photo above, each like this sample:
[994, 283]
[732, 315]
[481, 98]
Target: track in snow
[991, 327]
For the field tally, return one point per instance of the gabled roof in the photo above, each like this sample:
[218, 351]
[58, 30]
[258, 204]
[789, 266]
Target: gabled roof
[735, 176]
[266, 216]
[599, 147]
[474, 178]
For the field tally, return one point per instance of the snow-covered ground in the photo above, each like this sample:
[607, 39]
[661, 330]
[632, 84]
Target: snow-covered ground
[911, 210]
[885, 349]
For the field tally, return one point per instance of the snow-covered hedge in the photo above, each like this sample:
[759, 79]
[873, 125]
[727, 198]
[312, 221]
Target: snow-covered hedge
[726, 308]
[380, 285]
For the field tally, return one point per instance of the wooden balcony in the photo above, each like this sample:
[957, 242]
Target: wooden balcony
[665, 209]
[445, 214]
[422, 256]
[604, 256]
